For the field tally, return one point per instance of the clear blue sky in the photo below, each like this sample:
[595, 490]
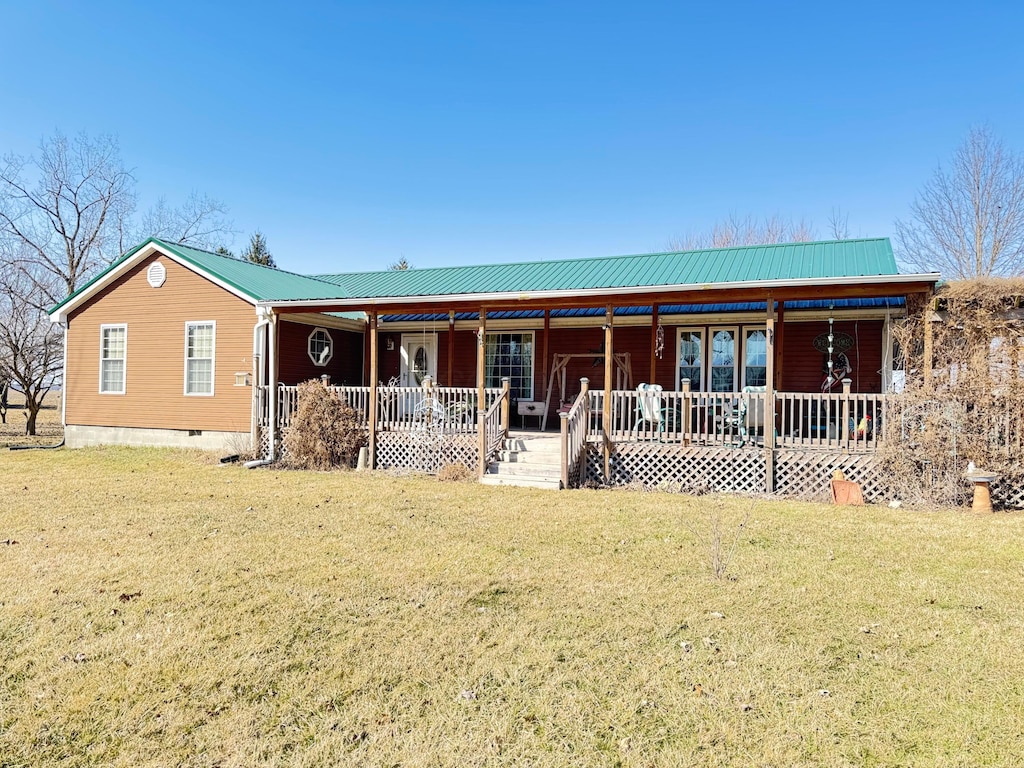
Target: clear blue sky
[354, 134]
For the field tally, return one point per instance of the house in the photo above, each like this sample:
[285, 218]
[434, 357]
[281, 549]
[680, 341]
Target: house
[160, 348]
[173, 345]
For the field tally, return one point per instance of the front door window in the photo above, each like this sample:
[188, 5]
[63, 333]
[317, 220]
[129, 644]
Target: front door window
[419, 365]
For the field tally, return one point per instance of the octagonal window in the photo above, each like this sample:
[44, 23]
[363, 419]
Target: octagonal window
[320, 347]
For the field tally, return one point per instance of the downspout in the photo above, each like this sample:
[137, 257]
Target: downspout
[262, 332]
[64, 324]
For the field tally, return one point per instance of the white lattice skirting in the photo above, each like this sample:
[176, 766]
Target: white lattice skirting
[425, 451]
[800, 474]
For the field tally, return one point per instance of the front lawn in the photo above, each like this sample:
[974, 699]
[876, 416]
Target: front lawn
[157, 609]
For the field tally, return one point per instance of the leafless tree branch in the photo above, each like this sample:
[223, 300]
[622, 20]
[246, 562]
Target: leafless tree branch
[968, 220]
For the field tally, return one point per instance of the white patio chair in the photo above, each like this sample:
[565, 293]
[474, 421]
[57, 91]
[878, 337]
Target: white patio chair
[650, 411]
[429, 415]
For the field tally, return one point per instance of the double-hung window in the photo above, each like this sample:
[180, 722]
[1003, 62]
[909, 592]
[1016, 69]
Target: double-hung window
[113, 358]
[200, 341]
[511, 355]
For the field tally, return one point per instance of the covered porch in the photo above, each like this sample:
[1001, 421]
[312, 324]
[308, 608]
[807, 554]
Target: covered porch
[653, 379]
[692, 439]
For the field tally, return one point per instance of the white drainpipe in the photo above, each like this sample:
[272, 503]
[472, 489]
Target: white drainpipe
[265, 338]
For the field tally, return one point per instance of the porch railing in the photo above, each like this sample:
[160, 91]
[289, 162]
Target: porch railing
[839, 421]
[397, 406]
[493, 429]
[574, 437]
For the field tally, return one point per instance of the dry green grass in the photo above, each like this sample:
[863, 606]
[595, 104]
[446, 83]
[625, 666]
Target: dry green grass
[160, 610]
[48, 427]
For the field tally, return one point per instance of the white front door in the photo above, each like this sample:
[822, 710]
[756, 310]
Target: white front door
[419, 358]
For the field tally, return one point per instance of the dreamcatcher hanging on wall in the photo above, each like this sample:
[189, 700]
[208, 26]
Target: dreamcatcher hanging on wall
[836, 365]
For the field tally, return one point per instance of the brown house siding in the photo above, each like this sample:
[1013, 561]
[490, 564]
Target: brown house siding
[803, 368]
[155, 368]
[295, 366]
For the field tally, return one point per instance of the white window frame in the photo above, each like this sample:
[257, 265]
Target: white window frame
[213, 358]
[533, 355]
[330, 346]
[696, 386]
[748, 329]
[124, 371]
[737, 354]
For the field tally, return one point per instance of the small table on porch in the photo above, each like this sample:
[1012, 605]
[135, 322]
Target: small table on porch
[527, 408]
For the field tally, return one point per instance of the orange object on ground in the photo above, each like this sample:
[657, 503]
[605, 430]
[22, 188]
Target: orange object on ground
[846, 492]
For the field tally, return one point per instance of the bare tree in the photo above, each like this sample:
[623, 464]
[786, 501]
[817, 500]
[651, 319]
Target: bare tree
[31, 347]
[968, 221]
[64, 215]
[68, 223]
[200, 221]
[839, 224]
[747, 230]
[401, 265]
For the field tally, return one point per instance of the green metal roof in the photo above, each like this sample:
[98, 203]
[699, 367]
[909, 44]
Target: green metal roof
[716, 266]
[256, 281]
[789, 261]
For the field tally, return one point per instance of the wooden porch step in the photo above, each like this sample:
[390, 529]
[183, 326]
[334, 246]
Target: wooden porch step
[529, 459]
[523, 481]
[527, 468]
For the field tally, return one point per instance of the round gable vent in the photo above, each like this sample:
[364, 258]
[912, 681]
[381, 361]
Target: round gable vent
[156, 274]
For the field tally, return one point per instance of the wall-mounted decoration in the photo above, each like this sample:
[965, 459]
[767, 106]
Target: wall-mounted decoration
[836, 365]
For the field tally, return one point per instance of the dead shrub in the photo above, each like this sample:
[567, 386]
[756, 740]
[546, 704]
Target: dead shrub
[454, 473]
[716, 539]
[326, 432]
[970, 407]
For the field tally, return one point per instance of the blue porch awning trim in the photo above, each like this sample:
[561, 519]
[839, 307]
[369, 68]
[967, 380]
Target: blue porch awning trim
[664, 309]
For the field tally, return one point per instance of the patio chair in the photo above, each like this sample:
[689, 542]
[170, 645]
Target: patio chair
[732, 422]
[756, 411]
[651, 414]
[429, 415]
[461, 414]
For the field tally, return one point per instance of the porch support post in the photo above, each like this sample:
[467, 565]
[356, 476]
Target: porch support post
[481, 402]
[371, 417]
[780, 332]
[563, 442]
[451, 344]
[609, 372]
[505, 397]
[654, 345]
[544, 355]
[273, 397]
[769, 399]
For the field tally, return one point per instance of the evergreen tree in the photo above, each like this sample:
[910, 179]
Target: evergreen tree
[257, 251]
